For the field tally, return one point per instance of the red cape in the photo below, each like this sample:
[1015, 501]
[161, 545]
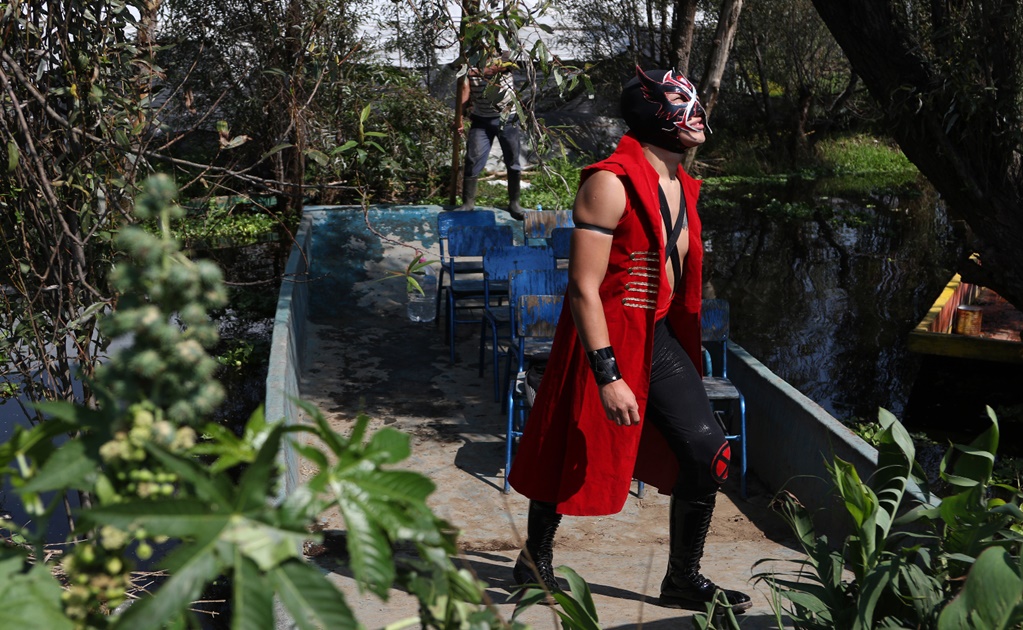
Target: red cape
[570, 453]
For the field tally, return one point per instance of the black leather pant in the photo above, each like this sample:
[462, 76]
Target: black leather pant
[679, 408]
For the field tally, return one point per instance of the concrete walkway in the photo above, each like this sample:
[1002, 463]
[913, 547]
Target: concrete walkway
[364, 356]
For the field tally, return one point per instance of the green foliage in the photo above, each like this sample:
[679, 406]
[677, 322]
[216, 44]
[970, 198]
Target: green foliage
[237, 221]
[242, 354]
[577, 609]
[906, 566]
[554, 185]
[991, 598]
[862, 154]
[383, 136]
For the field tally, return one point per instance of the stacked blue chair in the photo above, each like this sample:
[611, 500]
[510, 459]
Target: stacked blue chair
[538, 225]
[538, 297]
[561, 240]
[724, 396]
[445, 221]
[465, 290]
[498, 264]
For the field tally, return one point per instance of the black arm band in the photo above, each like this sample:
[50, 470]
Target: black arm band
[594, 228]
[604, 365]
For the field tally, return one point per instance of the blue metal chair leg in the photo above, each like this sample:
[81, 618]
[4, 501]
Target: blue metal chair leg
[451, 327]
[742, 446]
[511, 434]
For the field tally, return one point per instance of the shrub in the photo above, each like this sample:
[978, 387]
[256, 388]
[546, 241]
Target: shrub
[918, 569]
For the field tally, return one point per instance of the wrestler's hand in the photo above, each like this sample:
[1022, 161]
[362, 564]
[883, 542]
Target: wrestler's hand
[619, 403]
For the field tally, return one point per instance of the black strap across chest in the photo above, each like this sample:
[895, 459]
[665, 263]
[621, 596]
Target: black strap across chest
[673, 231]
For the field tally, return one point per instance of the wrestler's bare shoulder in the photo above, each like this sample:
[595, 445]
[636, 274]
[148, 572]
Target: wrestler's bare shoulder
[601, 199]
[604, 182]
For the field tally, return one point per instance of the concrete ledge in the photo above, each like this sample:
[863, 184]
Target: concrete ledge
[287, 350]
[790, 439]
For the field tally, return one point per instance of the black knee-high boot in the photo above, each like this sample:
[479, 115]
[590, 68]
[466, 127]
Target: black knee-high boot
[683, 585]
[535, 562]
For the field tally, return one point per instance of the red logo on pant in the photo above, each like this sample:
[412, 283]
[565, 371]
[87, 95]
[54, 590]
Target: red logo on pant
[719, 466]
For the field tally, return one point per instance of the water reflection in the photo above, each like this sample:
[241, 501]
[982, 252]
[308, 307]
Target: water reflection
[824, 290]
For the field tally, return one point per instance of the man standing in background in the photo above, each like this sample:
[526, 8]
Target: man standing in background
[488, 95]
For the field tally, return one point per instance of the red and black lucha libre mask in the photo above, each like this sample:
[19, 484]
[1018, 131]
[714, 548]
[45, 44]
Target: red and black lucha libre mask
[651, 116]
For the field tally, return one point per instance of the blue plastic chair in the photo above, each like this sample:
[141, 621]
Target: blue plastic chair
[561, 240]
[520, 283]
[535, 319]
[498, 264]
[445, 221]
[714, 324]
[725, 398]
[465, 290]
[538, 225]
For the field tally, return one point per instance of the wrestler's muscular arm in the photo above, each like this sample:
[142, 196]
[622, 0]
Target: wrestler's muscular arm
[599, 202]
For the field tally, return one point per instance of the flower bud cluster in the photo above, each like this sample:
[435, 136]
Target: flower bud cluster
[153, 391]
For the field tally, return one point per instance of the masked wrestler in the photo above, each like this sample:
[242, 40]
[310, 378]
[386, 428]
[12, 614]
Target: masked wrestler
[621, 396]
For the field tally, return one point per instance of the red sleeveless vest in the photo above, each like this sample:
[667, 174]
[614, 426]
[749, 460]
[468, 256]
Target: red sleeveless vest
[570, 453]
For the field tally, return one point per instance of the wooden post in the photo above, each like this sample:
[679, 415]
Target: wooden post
[469, 7]
[456, 141]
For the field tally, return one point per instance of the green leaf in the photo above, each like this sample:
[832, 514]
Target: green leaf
[967, 466]
[317, 156]
[194, 568]
[236, 141]
[859, 500]
[263, 544]
[872, 588]
[216, 490]
[312, 600]
[364, 114]
[12, 156]
[896, 454]
[36, 442]
[369, 550]
[991, 598]
[87, 314]
[68, 467]
[580, 592]
[255, 482]
[326, 433]
[389, 446]
[277, 149]
[30, 599]
[253, 597]
[176, 518]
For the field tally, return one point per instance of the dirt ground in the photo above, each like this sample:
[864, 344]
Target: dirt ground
[376, 361]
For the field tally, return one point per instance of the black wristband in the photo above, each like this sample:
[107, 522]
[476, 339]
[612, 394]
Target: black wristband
[604, 365]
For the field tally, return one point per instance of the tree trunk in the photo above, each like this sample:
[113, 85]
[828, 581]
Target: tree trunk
[296, 105]
[682, 35]
[468, 8]
[710, 84]
[955, 114]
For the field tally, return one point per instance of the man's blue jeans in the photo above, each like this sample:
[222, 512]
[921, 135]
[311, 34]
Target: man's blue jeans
[481, 137]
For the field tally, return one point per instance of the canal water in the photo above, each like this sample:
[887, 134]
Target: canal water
[823, 290]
